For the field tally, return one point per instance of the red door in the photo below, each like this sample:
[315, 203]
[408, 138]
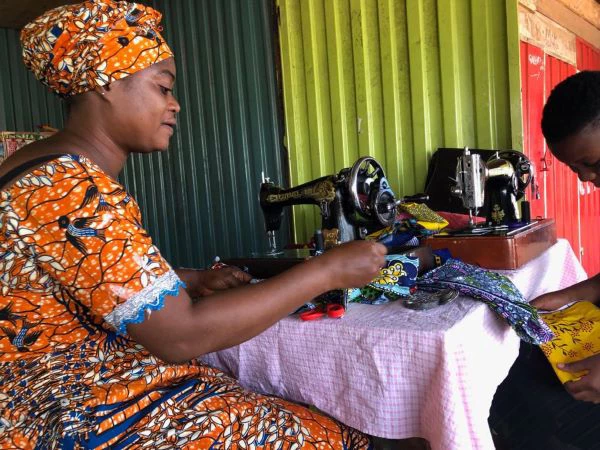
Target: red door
[532, 88]
[588, 58]
[558, 186]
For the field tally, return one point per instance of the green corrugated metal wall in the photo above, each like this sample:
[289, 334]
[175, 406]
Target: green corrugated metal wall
[395, 79]
[199, 199]
[24, 102]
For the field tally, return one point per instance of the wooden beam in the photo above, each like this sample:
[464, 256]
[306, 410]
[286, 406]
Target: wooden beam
[561, 14]
[545, 33]
[587, 9]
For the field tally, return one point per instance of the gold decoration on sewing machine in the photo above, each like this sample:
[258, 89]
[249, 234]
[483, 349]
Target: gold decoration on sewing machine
[321, 191]
[497, 214]
[330, 237]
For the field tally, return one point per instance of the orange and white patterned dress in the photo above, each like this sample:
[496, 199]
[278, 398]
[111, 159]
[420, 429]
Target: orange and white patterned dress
[76, 266]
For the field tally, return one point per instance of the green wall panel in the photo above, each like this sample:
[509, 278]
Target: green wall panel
[395, 79]
[200, 198]
[24, 102]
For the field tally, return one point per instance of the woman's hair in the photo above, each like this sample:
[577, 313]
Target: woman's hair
[573, 105]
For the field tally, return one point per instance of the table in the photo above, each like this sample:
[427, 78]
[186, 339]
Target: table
[397, 373]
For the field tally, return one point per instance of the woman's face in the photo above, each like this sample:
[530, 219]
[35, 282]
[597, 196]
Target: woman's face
[581, 152]
[143, 110]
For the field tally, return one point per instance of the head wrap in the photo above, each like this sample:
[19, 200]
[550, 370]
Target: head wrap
[76, 48]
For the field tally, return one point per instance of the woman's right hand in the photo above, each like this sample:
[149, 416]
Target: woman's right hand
[353, 264]
[552, 300]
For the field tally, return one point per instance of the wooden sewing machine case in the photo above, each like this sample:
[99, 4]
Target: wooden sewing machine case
[500, 251]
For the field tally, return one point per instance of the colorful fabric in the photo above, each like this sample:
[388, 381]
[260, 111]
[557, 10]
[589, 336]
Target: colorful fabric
[395, 280]
[576, 331]
[496, 290]
[425, 216]
[76, 48]
[440, 256]
[76, 267]
[407, 229]
[395, 236]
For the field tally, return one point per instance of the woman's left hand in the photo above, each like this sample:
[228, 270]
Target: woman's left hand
[204, 282]
[587, 388]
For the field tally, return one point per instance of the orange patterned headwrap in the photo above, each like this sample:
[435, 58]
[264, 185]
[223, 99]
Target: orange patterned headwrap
[76, 48]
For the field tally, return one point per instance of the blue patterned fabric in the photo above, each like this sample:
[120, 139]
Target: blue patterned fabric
[396, 237]
[402, 233]
[495, 290]
[395, 280]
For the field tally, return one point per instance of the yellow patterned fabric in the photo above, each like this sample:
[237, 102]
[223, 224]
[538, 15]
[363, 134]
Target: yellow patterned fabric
[426, 217]
[75, 48]
[577, 336]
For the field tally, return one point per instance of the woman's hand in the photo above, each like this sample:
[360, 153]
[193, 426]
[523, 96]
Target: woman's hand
[552, 300]
[205, 282]
[353, 264]
[586, 290]
[587, 388]
[220, 279]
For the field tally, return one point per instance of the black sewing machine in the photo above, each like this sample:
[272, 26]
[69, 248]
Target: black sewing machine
[353, 203]
[496, 184]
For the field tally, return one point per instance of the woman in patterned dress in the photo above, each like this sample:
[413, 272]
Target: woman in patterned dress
[98, 334]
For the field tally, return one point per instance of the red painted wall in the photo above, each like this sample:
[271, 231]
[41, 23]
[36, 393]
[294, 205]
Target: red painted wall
[532, 92]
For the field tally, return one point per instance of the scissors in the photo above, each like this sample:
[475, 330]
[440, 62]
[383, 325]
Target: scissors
[332, 310]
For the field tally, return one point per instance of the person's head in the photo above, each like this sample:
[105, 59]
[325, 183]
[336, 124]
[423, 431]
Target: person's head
[571, 124]
[109, 61]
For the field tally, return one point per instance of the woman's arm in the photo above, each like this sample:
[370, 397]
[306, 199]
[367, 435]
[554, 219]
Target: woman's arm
[588, 290]
[201, 282]
[183, 330]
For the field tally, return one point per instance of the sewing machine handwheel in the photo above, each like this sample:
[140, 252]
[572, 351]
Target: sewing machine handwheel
[366, 174]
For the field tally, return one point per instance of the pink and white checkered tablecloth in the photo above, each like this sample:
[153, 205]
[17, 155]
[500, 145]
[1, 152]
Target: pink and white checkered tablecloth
[397, 373]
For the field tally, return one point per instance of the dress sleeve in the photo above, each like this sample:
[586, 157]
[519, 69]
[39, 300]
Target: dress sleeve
[85, 235]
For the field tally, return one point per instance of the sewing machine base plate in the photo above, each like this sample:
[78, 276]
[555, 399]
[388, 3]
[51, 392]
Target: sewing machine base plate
[508, 249]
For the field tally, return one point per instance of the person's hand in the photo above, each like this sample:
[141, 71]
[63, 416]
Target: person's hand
[206, 282]
[552, 300]
[223, 278]
[353, 264]
[587, 388]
